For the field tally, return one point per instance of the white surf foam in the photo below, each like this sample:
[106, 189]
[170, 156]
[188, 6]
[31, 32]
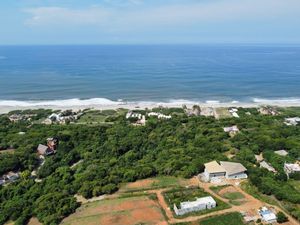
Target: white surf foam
[60, 103]
[281, 101]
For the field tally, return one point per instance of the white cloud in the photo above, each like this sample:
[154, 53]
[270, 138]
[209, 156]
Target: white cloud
[164, 15]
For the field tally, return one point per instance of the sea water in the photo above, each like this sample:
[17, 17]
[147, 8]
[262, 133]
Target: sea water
[62, 75]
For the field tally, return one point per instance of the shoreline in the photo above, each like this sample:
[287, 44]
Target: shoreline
[143, 105]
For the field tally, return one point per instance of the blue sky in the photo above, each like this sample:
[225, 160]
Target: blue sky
[149, 21]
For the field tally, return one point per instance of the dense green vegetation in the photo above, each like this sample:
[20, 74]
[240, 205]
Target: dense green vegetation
[117, 152]
[230, 218]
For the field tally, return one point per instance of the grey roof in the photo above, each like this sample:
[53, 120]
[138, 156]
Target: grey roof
[232, 167]
[42, 149]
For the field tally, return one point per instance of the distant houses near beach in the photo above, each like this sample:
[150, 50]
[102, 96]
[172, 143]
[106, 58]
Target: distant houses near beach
[138, 118]
[292, 121]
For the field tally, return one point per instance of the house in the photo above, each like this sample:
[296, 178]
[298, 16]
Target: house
[194, 206]
[290, 168]
[51, 148]
[231, 130]
[228, 170]
[293, 121]
[159, 115]
[11, 176]
[233, 112]
[267, 166]
[281, 152]
[2, 181]
[44, 150]
[213, 170]
[259, 158]
[267, 110]
[234, 170]
[267, 215]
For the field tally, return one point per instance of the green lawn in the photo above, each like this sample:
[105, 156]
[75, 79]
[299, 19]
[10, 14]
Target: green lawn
[217, 189]
[99, 116]
[295, 184]
[227, 219]
[234, 195]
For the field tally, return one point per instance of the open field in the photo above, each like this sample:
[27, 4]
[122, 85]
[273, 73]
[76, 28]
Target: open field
[119, 211]
[230, 193]
[154, 183]
[230, 218]
[99, 116]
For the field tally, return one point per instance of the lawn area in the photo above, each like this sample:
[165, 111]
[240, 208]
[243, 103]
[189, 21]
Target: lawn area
[154, 183]
[118, 211]
[178, 195]
[230, 193]
[252, 190]
[230, 218]
[295, 184]
[98, 116]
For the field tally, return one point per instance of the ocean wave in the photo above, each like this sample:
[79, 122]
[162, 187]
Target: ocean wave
[277, 101]
[59, 103]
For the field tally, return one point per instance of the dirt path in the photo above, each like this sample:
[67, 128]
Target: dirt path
[251, 204]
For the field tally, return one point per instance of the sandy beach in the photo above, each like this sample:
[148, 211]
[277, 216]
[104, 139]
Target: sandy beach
[143, 105]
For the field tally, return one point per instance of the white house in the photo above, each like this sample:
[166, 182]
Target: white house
[293, 121]
[234, 170]
[267, 166]
[281, 152]
[197, 205]
[213, 170]
[291, 168]
[231, 129]
[229, 170]
[267, 215]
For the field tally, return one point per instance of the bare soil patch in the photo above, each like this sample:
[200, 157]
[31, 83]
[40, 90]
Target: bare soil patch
[119, 211]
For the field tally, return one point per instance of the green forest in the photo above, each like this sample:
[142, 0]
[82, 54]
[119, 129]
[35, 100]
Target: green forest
[116, 152]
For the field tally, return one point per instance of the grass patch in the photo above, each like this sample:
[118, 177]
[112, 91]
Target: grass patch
[233, 195]
[252, 190]
[230, 218]
[217, 189]
[178, 195]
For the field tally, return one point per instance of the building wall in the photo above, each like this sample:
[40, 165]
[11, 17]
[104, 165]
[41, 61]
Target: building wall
[237, 176]
[180, 212]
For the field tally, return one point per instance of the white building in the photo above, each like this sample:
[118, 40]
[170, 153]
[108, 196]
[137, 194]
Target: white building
[234, 113]
[281, 152]
[234, 170]
[293, 121]
[267, 215]
[197, 205]
[291, 168]
[159, 115]
[232, 129]
[267, 166]
[228, 170]
[213, 170]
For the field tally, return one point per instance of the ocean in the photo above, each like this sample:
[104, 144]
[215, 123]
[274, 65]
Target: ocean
[161, 73]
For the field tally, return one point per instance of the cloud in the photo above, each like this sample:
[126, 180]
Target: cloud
[170, 15]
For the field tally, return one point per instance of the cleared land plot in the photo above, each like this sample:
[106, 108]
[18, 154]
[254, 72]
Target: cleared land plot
[230, 193]
[120, 211]
[99, 116]
[231, 218]
[154, 183]
[178, 195]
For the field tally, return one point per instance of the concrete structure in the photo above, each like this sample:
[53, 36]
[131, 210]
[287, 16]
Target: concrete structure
[159, 115]
[293, 121]
[290, 168]
[267, 215]
[197, 205]
[267, 166]
[281, 152]
[213, 170]
[228, 170]
[259, 157]
[234, 170]
[233, 112]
